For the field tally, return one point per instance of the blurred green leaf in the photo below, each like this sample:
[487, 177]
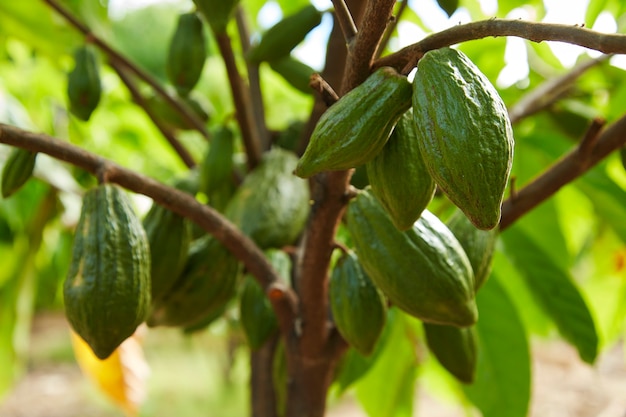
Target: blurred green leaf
[555, 290]
[387, 389]
[502, 385]
[52, 36]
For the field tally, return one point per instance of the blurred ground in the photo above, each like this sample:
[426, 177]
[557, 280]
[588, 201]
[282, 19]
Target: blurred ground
[563, 386]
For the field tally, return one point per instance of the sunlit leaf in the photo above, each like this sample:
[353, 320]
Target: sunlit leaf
[502, 385]
[555, 291]
[122, 376]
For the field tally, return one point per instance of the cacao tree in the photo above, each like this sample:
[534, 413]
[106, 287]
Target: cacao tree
[357, 220]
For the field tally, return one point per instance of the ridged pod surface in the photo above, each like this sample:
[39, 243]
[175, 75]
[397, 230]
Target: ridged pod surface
[278, 41]
[398, 175]
[17, 170]
[355, 129]
[455, 348]
[479, 245]
[107, 290]
[186, 54]
[83, 83]
[359, 309]
[271, 205]
[465, 133]
[205, 286]
[216, 170]
[424, 270]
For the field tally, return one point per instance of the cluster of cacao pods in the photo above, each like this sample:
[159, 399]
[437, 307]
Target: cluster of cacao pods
[457, 136]
[448, 129]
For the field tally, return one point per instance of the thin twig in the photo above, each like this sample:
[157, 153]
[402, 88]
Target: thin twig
[537, 32]
[326, 92]
[567, 169]
[377, 14]
[346, 22]
[551, 90]
[178, 106]
[179, 202]
[167, 132]
[241, 99]
[256, 96]
[390, 28]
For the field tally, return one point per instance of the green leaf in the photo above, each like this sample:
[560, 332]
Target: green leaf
[388, 388]
[554, 290]
[502, 385]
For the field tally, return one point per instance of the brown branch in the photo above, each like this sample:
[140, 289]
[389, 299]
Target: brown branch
[285, 304]
[325, 91]
[328, 194]
[407, 58]
[390, 28]
[241, 99]
[377, 15]
[182, 203]
[594, 148]
[256, 96]
[550, 91]
[113, 55]
[346, 22]
[165, 131]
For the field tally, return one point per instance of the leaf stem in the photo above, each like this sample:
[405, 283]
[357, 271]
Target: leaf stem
[256, 96]
[346, 22]
[242, 101]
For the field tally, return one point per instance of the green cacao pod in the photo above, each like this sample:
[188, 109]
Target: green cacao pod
[257, 317]
[455, 349]
[278, 41]
[17, 169]
[83, 86]
[217, 12]
[478, 244]
[424, 270]
[271, 205]
[169, 236]
[358, 307]
[186, 54]
[107, 290]
[205, 286]
[465, 133]
[216, 171]
[398, 175]
[355, 129]
[255, 312]
[296, 73]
